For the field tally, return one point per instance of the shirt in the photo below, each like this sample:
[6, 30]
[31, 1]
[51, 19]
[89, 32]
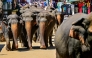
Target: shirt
[45, 4]
[9, 0]
[66, 9]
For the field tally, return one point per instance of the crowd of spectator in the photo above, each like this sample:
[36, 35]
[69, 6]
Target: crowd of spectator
[68, 8]
[64, 7]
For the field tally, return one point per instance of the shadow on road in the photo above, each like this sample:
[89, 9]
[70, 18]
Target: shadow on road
[22, 49]
[1, 46]
[51, 47]
[35, 48]
[3, 54]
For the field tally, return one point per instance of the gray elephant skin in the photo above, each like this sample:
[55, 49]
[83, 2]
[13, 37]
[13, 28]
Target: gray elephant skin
[11, 28]
[46, 22]
[30, 26]
[76, 46]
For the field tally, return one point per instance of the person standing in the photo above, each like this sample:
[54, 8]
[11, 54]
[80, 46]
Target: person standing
[88, 6]
[75, 7]
[40, 4]
[80, 4]
[45, 5]
[72, 9]
[84, 8]
[59, 4]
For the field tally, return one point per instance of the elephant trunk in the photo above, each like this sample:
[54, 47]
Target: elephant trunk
[14, 28]
[28, 28]
[42, 31]
[59, 19]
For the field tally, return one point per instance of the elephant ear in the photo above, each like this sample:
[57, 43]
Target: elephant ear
[77, 32]
[86, 23]
[83, 22]
[78, 22]
[73, 32]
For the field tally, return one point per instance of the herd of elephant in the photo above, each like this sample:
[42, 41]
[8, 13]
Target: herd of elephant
[32, 21]
[73, 38]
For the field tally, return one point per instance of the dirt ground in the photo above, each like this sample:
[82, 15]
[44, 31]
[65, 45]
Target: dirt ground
[36, 52]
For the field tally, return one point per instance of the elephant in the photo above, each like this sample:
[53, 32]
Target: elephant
[46, 22]
[13, 21]
[58, 15]
[34, 10]
[59, 19]
[12, 29]
[30, 26]
[6, 32]
[71, 37]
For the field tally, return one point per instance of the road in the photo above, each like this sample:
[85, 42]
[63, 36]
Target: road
[36, 52]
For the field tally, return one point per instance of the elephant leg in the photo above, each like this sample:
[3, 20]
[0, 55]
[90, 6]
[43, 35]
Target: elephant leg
[23, 33]
[19, 33]
[14, 28]
[42, 38]
[59, 19]
[38, 35]
[34, 31]
[6, 35]
[35, 37]
[55, 29]
[8, 46]
[28, 27]
[50, 39]
[20, 40]
[46, 40]
[13, 45]
[57, 55]
[24, 41]
[2, 39]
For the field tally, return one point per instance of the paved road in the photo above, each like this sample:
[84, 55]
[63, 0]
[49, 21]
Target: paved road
[36, 52]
